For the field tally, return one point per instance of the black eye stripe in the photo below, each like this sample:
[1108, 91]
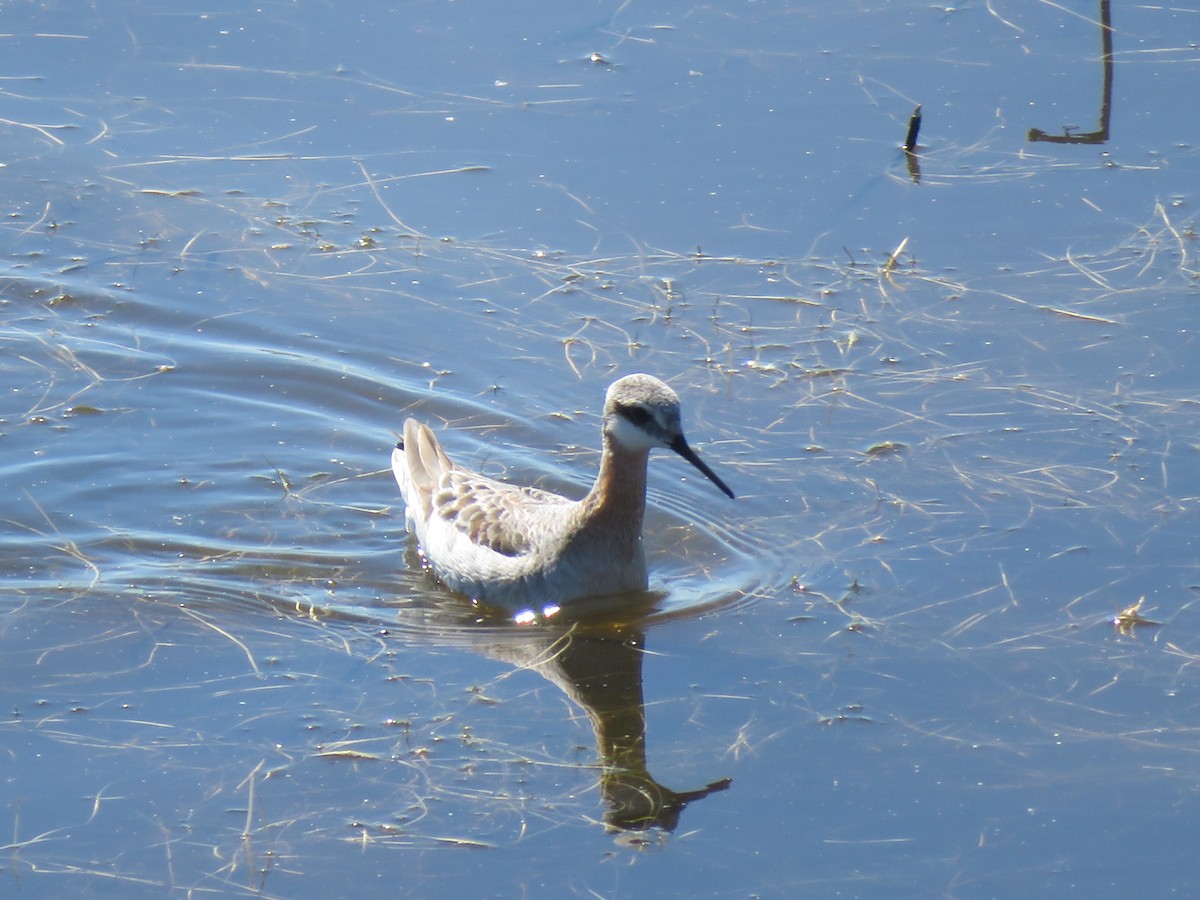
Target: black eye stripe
[638, 415]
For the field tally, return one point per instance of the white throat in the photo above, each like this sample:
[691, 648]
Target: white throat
[628, 436]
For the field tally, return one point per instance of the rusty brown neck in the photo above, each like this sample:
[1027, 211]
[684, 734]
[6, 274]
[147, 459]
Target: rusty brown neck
[617, 502]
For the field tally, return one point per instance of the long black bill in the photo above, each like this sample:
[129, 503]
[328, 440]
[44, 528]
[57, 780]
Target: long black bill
[680, 446]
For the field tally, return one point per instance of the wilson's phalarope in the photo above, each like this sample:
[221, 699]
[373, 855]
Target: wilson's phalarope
[517, 546]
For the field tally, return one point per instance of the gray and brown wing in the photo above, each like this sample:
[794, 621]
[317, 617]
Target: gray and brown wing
[492, 514]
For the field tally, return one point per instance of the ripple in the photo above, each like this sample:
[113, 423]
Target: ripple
[697, 567]
[258, 460]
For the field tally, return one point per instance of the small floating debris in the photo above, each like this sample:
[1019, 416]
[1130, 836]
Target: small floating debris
[1131, 617]
[348, 754]
[885, 448]
[895, 257]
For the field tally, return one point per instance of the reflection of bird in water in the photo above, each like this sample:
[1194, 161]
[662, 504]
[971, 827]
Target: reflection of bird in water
[606, 678]
[600, 669]
[519, 546]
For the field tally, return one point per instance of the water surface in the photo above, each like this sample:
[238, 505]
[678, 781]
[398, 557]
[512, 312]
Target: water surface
[955, 396]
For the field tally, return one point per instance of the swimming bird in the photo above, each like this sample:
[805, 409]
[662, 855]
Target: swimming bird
[517, 547]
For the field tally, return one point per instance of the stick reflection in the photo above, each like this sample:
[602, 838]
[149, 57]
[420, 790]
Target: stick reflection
[1100, 135]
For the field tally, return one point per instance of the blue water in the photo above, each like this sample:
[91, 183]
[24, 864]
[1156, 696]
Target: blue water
[241, 246]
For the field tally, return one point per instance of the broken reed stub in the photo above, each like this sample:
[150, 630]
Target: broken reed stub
[914, 128]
